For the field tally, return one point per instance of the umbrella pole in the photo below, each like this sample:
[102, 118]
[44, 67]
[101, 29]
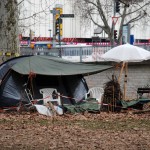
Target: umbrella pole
[123, 65]
[125, 81]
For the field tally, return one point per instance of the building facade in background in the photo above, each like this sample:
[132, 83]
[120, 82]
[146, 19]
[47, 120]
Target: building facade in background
[36, 16]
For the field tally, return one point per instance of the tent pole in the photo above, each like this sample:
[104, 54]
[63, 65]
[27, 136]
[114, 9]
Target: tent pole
[125, 81]
[123, 65]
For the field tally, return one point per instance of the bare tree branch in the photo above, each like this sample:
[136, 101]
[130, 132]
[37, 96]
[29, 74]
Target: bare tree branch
[137, 18]
[20, 2]
[104, 9]
[140, 7]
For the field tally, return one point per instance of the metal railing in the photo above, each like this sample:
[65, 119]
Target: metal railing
[73, 53]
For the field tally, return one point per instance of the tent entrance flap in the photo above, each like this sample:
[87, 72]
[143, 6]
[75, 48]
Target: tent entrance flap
[72, 88]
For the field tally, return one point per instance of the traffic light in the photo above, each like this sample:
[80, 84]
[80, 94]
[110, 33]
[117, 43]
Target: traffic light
[57, 27]
[115, 34]
[117, 6]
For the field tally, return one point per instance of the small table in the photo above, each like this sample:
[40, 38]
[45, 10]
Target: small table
[141, 91]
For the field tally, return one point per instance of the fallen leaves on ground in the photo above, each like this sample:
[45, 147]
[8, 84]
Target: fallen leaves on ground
[29, 131]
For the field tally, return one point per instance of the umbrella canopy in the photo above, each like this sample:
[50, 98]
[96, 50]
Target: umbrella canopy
[126, 53]
[46, 65]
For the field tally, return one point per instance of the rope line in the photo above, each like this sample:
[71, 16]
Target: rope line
[101, 103]
[96, 102]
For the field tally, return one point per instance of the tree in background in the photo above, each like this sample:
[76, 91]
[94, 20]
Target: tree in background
[9, 26]
[100, 12]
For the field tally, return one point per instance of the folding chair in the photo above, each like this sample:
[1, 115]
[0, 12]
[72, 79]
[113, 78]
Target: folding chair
[95, 92]
[49, 94]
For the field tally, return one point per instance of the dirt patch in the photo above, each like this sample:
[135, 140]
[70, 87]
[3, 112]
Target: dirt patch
[89, 131]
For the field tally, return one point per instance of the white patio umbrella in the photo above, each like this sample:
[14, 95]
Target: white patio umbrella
[126, 53]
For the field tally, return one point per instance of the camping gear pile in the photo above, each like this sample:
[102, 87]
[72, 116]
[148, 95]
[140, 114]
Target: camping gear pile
[112, 95]
[113, 99]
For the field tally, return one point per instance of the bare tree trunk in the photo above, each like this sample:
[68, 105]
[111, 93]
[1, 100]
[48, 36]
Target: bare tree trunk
[9, 40]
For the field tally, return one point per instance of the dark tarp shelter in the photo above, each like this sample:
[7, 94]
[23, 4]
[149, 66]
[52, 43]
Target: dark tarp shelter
[43, 72]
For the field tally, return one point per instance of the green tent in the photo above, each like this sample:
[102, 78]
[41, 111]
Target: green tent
[48, 72]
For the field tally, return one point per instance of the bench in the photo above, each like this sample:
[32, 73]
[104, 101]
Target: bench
[141, 91]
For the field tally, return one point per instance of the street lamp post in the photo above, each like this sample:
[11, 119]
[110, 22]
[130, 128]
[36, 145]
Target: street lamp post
[50, 32]
[113, 26]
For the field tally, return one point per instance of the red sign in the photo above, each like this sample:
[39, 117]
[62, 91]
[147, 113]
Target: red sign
[24, 42]
[20, 37]
[42, 39]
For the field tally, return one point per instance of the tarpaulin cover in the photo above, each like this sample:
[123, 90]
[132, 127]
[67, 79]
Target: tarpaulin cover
[127, 104]
[46, 65]
[89, 105]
